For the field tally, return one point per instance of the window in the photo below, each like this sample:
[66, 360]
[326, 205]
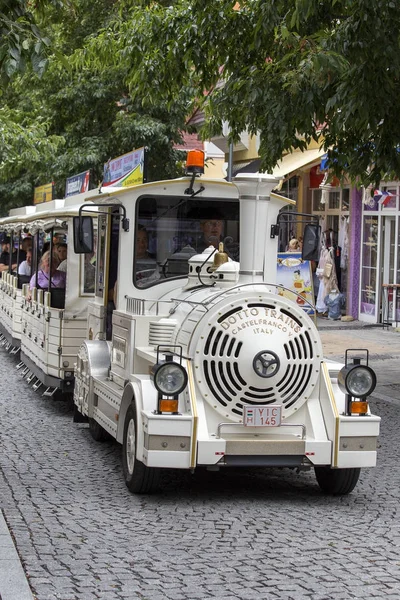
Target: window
[88, 266]
[170, 230]
[345, 199]
[101, 256]
[369, 265]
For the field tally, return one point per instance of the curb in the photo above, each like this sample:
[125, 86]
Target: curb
[13, 582]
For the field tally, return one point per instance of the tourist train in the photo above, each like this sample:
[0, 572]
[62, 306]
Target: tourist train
[175, 337]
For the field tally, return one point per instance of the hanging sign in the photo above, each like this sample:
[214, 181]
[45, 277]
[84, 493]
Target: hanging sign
[43, 193]
[125, 170]
[294, 279]
[77, 184]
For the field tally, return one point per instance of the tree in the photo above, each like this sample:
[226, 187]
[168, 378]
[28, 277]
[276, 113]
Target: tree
[21, 40]
[67, 120]
[291, 70]
[24, 143]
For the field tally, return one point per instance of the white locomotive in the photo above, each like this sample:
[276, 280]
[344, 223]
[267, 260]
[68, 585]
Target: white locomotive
[191, 357]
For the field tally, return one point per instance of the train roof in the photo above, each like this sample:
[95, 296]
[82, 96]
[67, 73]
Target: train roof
[49, 213]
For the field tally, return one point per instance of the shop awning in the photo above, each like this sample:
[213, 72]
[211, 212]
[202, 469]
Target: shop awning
[297, 160]
[289, 163]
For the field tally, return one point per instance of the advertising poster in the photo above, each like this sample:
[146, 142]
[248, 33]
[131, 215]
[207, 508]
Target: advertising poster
[43, 193]
[76, 184]
[295, 275]
[125, 170]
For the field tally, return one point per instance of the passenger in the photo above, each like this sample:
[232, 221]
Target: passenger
[58, 238]
[60, 252]
[142, 242]
[145, 263]
[26, 244]
[294, 245]
[5, 256]
[89, 272]
[25, 267]
[57, 278]
[46, 247]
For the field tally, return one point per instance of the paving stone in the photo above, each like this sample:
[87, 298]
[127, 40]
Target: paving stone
[233, 535]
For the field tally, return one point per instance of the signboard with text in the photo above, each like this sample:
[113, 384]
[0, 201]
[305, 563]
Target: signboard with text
[77, 184]
[43, 193]
[125, 170]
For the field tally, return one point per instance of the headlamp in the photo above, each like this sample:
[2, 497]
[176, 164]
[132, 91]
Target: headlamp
[357, 380]
[170, 378]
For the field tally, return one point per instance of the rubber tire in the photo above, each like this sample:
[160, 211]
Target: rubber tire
[139, 479]
[78, 417]
[337, 482]
[96, 431]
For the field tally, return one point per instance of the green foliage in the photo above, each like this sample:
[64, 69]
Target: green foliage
[86, 81]
[22, 42]
[69, 120]
[292, 70]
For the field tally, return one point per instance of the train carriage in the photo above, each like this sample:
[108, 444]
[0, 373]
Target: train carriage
[46, 326]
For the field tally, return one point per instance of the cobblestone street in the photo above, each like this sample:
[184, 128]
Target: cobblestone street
[229, 535]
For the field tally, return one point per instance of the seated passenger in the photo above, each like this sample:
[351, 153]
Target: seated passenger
[60, 252]
[26, 244]
[56, 278]
[145, 263]
[25, 267]
[294, 245]
[89, 273]
[5, 256]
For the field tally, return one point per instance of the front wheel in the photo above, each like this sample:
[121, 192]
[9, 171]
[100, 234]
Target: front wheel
[337, 481]
[138, 478]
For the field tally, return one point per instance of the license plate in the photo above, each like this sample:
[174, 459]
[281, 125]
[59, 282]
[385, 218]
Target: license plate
[262, 416]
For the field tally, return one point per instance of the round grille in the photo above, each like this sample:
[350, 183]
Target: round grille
[257, 353]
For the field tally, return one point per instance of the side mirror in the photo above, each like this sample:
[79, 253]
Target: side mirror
[83, 235]
[311, 244]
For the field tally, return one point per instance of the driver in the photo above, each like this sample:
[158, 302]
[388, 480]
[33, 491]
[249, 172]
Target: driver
[212, 229]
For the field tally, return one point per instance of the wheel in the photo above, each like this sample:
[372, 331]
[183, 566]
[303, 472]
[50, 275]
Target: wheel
[97, 432]
[78, 417]
[138, 478]
[336, 481]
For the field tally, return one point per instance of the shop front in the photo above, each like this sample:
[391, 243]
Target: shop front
[380, 257]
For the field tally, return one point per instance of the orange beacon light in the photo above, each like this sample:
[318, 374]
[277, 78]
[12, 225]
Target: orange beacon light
[195, 162]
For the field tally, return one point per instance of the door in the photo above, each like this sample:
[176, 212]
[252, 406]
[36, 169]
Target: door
[389, 272]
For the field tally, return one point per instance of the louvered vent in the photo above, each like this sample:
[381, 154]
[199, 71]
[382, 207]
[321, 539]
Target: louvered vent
[161, 332]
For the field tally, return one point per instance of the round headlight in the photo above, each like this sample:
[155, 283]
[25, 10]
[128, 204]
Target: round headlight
[358, 381]
[170, 378]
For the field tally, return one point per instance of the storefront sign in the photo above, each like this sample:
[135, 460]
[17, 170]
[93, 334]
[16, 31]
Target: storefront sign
[294, 275]
[43, 193]
[125, 170]
[77, 184]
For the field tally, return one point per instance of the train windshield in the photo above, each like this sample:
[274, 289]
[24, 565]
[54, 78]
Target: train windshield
[170, 230]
